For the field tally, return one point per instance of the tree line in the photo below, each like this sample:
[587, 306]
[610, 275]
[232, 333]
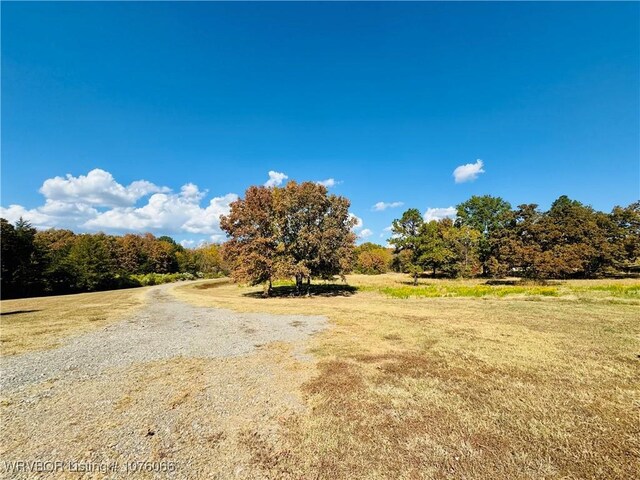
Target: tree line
[56, 261]
[490, 238]
[300, 231]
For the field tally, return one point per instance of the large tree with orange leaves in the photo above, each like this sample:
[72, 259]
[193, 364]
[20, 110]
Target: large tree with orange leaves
[298, 231]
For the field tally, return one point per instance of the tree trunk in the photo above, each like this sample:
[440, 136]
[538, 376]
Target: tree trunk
[434, 271]
[309, 285]
[267, 288]
[415, 279]
[298, 284]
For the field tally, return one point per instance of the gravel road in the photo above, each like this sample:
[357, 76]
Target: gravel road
[205, 390]
[165, 328]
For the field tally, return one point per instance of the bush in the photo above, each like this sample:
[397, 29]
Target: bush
[147, 279]
[372, 259]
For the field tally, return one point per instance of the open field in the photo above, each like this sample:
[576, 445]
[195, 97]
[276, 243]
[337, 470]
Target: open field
[29, 324]
[463, 380]
[518, 384]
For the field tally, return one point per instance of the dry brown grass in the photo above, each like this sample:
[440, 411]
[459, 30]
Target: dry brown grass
[500, 388]
[39, 323]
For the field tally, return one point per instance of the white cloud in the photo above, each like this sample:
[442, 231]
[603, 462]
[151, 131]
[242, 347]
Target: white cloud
[97, 188]
[275, 179]
[74, 202]
[439, 213]
[167, 213]
[365, 233]
[380, 206]
[207, 220]
[218, 237]
[52, 214]
[329, 182]
[187, 243]
[468, 172]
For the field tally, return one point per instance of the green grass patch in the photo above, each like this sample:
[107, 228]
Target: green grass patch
[433, 291]
[620, 291]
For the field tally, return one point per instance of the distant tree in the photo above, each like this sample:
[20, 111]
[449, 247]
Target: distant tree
[570, 240]
[625, 231]
[575, 239]
[9, 258]
[433, 250]
[208, 260]
[187, 262]
[451, 250]
[161, 255]
[59, 273]
[406, 238]
[463, 242]
[169, 240]
[95, 262]
[488, 215]
[133, 256]
[372, 259]
[22, 261]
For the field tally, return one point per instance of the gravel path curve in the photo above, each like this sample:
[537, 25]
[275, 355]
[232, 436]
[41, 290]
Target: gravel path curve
[163, 329]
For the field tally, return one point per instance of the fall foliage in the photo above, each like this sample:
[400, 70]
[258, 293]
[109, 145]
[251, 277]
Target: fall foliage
[301, 231]
[298, 231]
[59, 261]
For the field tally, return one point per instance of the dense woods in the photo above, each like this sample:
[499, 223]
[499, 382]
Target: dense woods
[300, 231]
[60, 261]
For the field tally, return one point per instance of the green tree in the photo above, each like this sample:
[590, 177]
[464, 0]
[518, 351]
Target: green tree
[488, 215]
[406, 238]
[59, 273]
[432, 248]
[625, 231]
[22, 261]
[94, 260]
[463, 243]
[9, 258]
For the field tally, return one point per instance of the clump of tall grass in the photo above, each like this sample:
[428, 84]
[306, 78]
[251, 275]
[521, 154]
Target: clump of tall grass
[433, 291]
[624, 291]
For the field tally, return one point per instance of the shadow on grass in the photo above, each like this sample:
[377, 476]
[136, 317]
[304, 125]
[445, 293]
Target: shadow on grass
[502, 282]
[207, 286]
[17, 312]
[329, 290]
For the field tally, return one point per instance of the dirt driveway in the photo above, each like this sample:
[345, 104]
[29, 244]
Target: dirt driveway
[173, 390]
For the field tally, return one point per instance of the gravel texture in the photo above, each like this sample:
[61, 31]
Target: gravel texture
[205, 390]
[166, 328]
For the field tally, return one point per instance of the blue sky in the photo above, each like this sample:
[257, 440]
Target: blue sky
[387, 99]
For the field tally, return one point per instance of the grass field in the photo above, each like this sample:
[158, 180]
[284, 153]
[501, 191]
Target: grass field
[460, 379]
[37, 323]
